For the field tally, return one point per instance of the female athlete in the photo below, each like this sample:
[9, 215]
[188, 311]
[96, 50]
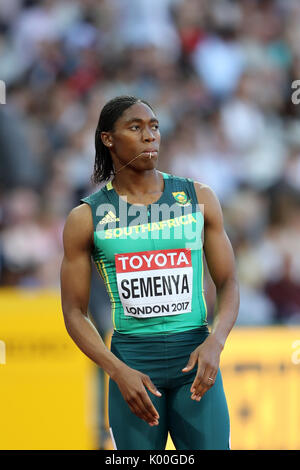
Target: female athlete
[147, 233]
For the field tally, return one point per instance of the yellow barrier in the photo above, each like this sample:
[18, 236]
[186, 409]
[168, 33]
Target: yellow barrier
[47, 386]
[48, 394]
[261, 375]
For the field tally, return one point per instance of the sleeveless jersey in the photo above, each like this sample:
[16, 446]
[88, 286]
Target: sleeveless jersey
[151, 258]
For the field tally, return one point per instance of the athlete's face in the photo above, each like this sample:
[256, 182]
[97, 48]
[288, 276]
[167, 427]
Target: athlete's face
[135, 133]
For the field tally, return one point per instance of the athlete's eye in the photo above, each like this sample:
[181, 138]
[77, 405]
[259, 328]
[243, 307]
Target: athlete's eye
[155, 126]
[135, 127]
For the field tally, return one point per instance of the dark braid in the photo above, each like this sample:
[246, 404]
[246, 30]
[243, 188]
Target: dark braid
[103, 167]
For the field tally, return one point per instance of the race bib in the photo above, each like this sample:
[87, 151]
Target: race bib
[155, 283]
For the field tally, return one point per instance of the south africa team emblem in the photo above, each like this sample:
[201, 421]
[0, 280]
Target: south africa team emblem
[181, 198]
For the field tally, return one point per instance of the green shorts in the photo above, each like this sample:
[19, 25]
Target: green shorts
[192, 425]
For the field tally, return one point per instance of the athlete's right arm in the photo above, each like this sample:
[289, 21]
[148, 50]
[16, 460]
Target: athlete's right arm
[75, 292]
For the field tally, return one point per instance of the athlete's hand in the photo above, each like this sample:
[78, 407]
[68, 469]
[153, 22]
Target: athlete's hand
[207, 356]
[132, 385]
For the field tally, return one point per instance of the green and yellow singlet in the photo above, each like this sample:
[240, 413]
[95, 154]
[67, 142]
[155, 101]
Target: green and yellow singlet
[151, 258]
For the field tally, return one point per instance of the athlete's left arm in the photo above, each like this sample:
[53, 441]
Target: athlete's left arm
[221, 264]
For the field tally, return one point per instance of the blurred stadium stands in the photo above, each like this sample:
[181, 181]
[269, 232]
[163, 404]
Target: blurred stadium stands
[218, 73]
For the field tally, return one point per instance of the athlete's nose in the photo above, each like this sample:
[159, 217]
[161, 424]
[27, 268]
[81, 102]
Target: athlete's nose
[148, 135]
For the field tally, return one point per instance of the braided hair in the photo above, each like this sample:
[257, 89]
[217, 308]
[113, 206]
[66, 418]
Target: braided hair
[113, 109]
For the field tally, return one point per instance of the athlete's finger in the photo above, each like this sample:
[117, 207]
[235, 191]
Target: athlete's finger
[198, 394]
[207, 381]
[198, 379]
[210, 377]
[140, 414]
[150, 385]
[140, 403]
[143, 408]
[145, 398]
[147, 405]
[191, 362]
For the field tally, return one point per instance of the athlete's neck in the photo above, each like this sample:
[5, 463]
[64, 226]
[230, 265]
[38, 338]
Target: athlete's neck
[133, 183]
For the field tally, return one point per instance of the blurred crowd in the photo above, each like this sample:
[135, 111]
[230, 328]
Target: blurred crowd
[218, 74]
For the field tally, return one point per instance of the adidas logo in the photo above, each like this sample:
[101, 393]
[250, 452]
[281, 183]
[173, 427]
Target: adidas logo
[109, 217]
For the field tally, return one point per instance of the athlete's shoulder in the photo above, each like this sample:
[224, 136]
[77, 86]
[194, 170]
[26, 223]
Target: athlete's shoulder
[78, 228]
[176, 178]
[198, 184]
[209, 199]
[204, 190]
[200, 188]
[78, 217]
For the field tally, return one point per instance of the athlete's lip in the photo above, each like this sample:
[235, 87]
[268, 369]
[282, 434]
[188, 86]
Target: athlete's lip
[150, 151]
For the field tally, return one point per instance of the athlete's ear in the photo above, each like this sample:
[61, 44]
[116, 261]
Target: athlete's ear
[107, 139]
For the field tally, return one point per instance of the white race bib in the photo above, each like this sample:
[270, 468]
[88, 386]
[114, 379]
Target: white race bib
[155, 283]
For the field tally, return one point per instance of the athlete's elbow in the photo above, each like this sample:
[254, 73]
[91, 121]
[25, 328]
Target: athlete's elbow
[230, 281]
[72, 316]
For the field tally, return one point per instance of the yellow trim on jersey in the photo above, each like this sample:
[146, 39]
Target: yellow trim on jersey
[109, 186]
[99, 269]
[105, 278]
[202, 290]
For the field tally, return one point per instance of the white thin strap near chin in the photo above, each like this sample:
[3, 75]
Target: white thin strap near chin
[131, 161]
[113, 439]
